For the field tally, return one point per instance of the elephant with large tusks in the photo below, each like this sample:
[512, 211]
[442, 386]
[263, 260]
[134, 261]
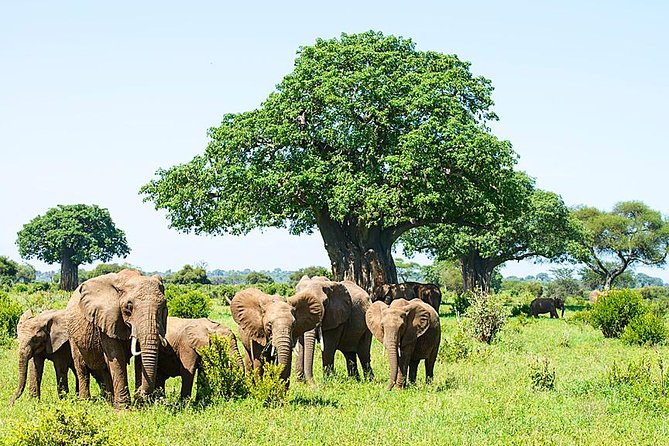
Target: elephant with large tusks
[270, 324]
[180, 357]
[110, 318]
[343, 328]
[409, 331]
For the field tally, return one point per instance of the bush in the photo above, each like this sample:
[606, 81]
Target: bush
[614, 310]
[645, 329]
[457, 347]
[542, 374]
[461, 302]
[219, 377]
[644, 381]
[182, 302]
[520, 309]
[485, 317]
[63, 424]
[269, 388]
[654, 292]
[10, 312]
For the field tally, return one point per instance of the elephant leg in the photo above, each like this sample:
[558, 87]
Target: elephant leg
[83, 375]
[429, 368]
[61, 370]
[187, 378]
[119, 381]
[330, 340]
[413, 370]
[138, 373]
[352, 365]
[364, 355]
[299, 360]
[36, 372]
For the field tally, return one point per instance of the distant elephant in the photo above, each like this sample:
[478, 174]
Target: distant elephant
[111, 317]
[343, 328]
[180, 357]
[542, 305]
[427, 292]
[409, 331]
[43, 337]
[269, 323]
[594, 296]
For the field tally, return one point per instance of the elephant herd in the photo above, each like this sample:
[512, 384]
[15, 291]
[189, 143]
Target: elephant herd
[115, 317]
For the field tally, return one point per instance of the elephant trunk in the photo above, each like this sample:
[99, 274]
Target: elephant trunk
[149, 341]
[282, 341]
[309, 346]
[235, 353]
[391, 345]
[24, 357]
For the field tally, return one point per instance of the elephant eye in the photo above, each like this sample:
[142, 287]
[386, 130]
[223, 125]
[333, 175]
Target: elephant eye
[128, 308]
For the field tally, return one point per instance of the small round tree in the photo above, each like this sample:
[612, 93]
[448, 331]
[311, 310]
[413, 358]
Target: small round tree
[72, 235]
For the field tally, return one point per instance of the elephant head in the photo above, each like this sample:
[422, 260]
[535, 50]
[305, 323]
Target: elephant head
[559, 304]
[129, 306]
[382, 293]
[269, 319]
[398, 326]
[199, 330]
[43, 334]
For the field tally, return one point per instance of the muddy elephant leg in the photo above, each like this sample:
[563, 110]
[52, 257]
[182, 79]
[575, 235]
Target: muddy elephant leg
[352, 365]
[364, 355]
[119, 381]
[36, 372]
[413, 370]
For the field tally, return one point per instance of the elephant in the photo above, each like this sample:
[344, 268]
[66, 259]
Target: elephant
[343, 328]
[542, 305]
[108, 318]
[43, 337]
[180, 356]
[410, 331]
[427, 292]
[268, 323]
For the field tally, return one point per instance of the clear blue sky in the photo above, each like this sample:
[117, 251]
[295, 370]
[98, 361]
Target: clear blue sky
[95, 97]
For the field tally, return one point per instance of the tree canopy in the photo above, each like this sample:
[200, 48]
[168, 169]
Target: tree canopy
[72, 235]
[543, 228]
[367, 138]
[188, 274]
[631, 233]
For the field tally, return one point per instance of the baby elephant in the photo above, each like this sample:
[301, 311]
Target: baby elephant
[43, 337]
[180, 358]
[410, 331]
[542, 305]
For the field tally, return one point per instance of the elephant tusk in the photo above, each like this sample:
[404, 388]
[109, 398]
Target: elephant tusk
[133, 347]
[320, 338]
[297, 348]
[399, 352]
[273, 353]
[163, 341]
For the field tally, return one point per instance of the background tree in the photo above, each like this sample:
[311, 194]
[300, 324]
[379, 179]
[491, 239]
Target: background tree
[631, 233]
[106, 268]
[189, 274]
[364, 140]
[256, 277]
[310, 271]
[544, 228]
[26, 273]
[8, 269]
[408, 271]
[72, 235]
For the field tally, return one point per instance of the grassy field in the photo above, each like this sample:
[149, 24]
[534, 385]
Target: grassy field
[486, 398]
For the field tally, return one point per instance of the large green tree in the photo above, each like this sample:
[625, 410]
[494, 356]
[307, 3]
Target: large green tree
[367, 138]
[543, 229]
[631, 233]
[72, 235]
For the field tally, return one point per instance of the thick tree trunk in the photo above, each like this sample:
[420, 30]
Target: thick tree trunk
[356, 251]
[69, 271]
[477, 272]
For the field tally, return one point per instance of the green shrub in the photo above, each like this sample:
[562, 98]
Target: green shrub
[614, 310]
[219, 377]
[457, 347]
[269, 388]
[644, 381]
[62, 424]
[10, 312]
[520, 309]
[584, 316]
[660, 306]
[184, 302]
[485, 317]
[461, 302]
[654, 292]
[542, 374]
[645, 329]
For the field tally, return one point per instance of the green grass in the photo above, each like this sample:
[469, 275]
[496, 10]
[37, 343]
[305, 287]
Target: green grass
[485, 399]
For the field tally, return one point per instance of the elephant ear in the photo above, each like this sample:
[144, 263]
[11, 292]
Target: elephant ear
[337, 306]
[373, 317]
[308, 312]
[28, 314]
[418, 320]
[197, 335]
[99, 302]
[57, 329]
[248, 308]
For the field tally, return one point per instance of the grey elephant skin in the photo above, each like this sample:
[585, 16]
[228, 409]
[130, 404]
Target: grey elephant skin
[343, 328]
[111, 317]
[269, 323]
[542, 305]
[43, 337]
[410, 332]
[427, 292]
[180, 357]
